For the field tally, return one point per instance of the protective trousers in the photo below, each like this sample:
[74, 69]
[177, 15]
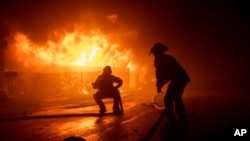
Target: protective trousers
[174, 103]
[99, 96]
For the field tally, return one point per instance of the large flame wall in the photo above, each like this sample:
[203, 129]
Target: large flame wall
[76, 48]
[66, 63]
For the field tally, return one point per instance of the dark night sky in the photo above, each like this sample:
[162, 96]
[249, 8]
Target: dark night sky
[210, 39]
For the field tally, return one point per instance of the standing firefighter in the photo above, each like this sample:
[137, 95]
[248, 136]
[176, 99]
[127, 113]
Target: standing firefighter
[169, 70]
[106, 89]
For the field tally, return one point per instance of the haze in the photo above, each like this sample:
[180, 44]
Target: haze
[210, 39]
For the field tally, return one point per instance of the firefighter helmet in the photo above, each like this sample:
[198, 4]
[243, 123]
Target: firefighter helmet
[158, 47]
[107, 69]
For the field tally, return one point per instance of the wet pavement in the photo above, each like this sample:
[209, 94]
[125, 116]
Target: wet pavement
[214, 115]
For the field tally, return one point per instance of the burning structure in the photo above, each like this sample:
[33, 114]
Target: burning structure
[65, 65]
[60, 47]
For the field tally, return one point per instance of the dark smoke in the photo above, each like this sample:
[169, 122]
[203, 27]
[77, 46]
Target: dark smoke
[3, 45]
[37, 18]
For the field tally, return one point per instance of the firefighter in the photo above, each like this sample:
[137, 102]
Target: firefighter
[168, 69]
[107, 85]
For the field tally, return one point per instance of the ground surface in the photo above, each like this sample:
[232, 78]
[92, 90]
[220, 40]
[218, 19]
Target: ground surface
[54, 123]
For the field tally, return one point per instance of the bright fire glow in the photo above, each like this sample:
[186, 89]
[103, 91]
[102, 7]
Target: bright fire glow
[73, 49]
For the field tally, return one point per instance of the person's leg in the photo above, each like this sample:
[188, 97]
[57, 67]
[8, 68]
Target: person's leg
[179, 104]
[98, 100]
[168, 102]
[116, 108]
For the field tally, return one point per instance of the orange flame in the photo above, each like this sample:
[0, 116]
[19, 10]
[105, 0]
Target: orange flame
[73, 49]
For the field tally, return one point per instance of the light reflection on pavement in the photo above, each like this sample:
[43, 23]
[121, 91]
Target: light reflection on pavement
[58, 123]
[55, 124]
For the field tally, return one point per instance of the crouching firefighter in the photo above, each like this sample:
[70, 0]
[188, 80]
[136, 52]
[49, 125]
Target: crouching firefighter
[107, 86]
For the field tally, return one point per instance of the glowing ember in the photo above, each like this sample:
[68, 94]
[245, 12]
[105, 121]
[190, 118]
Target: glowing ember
[73, 49]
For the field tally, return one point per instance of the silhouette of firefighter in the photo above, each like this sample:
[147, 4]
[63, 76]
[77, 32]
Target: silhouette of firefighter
[168, 69]
[107, 86]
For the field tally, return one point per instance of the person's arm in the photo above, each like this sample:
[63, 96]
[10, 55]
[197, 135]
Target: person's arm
[159, 80]
[161, 73]
[118, 81]
[96, 83]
